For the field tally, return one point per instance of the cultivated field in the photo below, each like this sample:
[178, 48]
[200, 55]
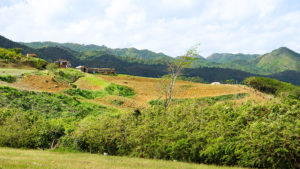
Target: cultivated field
[150, 88]
[21, 159]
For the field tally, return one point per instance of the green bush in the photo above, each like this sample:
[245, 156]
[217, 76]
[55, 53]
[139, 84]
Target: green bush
[32, 119]
[88, 94]
[119, 90]
[10, 55]
[259, 136]
[272, 86]
[52, 66]
[8, 78]
[36, 62]
[68, 75]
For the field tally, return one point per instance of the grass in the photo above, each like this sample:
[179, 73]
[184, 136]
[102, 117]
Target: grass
[91, 82]
[149, 89]
[17, 159]
[15, 72]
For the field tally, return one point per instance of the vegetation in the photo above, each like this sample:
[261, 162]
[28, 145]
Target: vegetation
[8, 78]
[208, 100]
[40, 120]
[225, 134]
[20, 159]
[15, 56]
[68, 75]
[146, 63]
[88, 94]
[119, 90]
[272, 86]
[206, 130]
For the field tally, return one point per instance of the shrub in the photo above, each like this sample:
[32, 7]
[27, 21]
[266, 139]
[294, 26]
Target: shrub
[52, 67]
[67, 75]
[8, 78]
[119, 90]
[272, 86]
[88, 94]
[260, 136]
[36, 62]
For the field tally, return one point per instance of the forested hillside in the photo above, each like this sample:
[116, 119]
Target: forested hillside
[218, 67]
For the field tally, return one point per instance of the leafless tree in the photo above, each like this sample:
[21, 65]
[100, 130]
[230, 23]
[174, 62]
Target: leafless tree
[175, 68]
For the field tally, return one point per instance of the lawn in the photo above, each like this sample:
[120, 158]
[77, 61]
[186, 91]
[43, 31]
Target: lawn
[17, 158]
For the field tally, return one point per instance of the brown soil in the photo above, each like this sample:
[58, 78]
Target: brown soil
[41, 83]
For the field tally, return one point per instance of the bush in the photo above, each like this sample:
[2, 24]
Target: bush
[52, 67]
[272, 86]
[67, 75]
[119, 90]
[259, 136]
[8, 78]
[39, 120]
[36, 62]
[88, 94]
[10, 55]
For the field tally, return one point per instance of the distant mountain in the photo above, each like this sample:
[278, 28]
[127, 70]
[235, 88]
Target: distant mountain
[73, 46]
[228, 57]
[279, 60]
[6, 43]
[151, 64]
[130, 54]
[53, 53]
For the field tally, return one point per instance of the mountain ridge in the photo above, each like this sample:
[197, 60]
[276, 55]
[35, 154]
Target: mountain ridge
[209, 71]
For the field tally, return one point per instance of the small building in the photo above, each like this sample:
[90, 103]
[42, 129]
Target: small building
[31, 55]
[215, 83]
[62, 63]
[82, 68]
[96, 70]
[102, 70]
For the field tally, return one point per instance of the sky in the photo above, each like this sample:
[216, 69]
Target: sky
[168, 26]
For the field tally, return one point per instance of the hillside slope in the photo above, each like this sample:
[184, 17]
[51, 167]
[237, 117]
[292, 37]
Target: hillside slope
[279, 60]
[228, 57]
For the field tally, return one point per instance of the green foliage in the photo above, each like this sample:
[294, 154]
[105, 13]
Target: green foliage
[15, 56]
[263, 136]
[68, 75]
[88, 94]
[192, 79]
[32, 120]
[10, 55]
[119, 90]
[8, 78]
[52, 66]
[272, 86]
[208, 100]
[36, 62]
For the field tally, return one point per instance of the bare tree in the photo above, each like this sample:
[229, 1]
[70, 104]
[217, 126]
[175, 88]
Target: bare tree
[175, 69]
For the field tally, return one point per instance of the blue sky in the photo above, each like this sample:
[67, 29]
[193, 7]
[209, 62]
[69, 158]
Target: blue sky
[169, 26]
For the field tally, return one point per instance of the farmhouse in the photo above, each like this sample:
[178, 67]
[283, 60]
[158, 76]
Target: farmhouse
[61, 63]
[31, 55]
[96, 70]
[102, 70]
[82, 68]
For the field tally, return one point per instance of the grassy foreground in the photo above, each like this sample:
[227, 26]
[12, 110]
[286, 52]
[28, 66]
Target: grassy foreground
[17, 158]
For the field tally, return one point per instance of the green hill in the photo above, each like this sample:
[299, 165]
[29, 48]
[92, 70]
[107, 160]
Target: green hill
[130, 54]
[229, 57]
[150, 64]
[279, 60]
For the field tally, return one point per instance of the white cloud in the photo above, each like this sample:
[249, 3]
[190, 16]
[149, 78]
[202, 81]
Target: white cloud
[172, 27]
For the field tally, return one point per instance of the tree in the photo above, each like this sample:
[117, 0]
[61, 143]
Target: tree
[175, 68]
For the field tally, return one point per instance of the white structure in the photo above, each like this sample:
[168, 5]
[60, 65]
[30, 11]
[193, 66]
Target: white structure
[215, 83]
